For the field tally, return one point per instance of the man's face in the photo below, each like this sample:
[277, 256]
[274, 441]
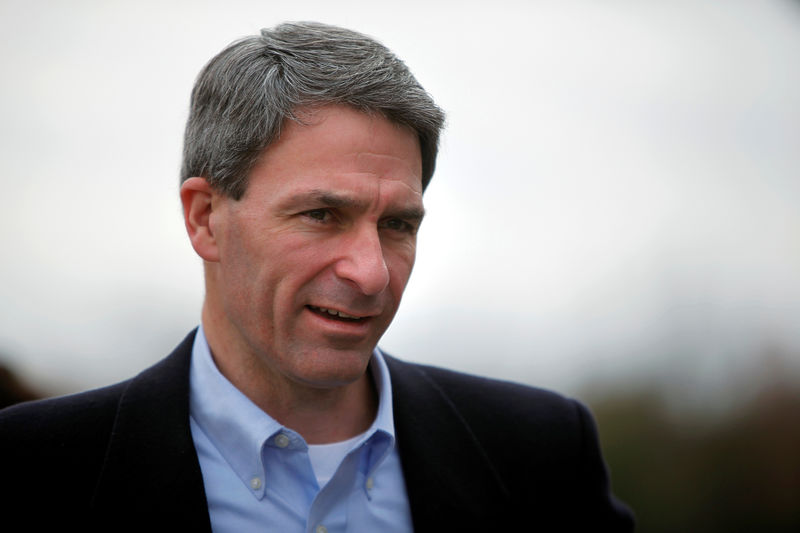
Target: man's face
[314, 258]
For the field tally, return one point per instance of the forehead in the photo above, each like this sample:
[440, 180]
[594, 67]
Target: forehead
[339, 146]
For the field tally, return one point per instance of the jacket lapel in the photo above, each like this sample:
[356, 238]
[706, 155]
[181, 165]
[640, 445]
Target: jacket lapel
[151, 465]
[451, 483]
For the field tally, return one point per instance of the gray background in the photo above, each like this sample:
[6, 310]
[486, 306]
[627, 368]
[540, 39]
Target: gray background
[615, 201]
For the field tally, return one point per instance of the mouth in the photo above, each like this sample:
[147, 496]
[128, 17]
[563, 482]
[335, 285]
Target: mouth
[335, 314]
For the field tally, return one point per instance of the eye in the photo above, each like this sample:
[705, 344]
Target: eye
[318, 215]
[397, 224]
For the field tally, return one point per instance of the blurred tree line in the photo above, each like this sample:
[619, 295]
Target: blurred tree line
[13, 390]
[702, 470]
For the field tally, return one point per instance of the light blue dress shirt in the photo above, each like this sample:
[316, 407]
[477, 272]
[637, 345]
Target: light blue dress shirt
[257, 474]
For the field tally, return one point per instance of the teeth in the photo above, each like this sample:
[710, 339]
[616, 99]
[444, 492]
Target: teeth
[334, 312]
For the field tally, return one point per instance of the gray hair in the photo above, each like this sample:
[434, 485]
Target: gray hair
[245, 93]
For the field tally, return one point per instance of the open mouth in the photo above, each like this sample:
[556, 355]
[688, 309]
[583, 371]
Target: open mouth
[334, 314]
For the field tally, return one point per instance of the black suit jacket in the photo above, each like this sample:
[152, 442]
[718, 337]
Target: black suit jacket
[477, 455]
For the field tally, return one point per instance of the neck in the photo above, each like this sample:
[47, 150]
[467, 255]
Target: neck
[320, 414]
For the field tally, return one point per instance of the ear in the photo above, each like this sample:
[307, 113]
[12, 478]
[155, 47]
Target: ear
[197, 199]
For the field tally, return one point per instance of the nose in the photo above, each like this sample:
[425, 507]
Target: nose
[362, 262]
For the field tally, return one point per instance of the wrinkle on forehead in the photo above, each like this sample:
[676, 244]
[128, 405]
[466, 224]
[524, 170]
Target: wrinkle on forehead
[371, 190]
[317, 116]
[412, 208]
[379, 165]
[341, 148]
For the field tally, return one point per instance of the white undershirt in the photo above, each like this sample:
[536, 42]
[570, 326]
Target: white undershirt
[325, 458]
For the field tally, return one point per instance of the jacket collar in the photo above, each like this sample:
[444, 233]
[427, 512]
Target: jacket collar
[450, 480]
[151, 465]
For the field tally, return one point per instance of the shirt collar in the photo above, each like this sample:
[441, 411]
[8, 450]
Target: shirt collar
[239, 429]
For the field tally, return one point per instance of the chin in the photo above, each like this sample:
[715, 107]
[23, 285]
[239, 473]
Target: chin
[332, 368]
[329, 380]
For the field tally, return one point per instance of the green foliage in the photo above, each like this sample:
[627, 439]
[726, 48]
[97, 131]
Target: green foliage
[739, 471]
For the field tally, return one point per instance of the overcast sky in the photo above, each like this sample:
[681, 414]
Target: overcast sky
[616, 195]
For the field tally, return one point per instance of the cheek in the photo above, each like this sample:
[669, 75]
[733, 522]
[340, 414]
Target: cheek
[240, 266]
[400, 264]
[290, 262]
[242, 253]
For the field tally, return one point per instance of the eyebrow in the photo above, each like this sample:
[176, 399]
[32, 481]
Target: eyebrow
[340, 201]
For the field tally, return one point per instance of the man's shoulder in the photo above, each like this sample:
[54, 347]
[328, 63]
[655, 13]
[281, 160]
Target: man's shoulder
[65, 424]
[56, 421]
[480, 384]
[538, 446]
[528, 418]
[483, 394]
[101, 434]
[58, 440]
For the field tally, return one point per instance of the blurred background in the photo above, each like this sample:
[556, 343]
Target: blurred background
[614, 216]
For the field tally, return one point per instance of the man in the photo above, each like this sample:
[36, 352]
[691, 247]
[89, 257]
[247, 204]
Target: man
[307, 151]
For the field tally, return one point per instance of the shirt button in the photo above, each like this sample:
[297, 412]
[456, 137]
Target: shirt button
[321, 529]
[370, 483]
[255, 483]
[281, 440]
